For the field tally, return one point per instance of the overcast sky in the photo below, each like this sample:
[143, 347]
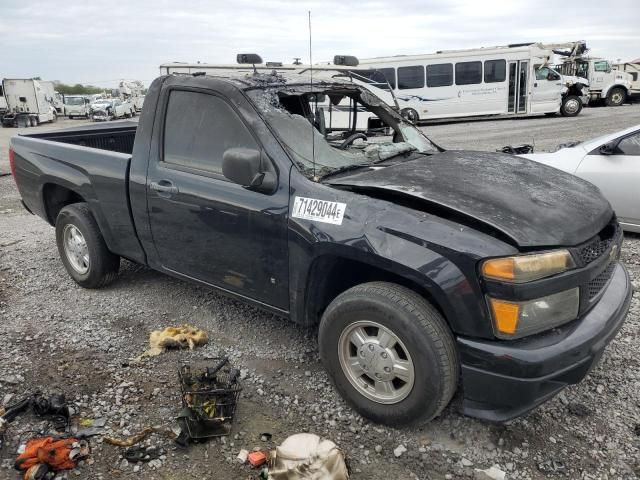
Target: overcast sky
[102, 41]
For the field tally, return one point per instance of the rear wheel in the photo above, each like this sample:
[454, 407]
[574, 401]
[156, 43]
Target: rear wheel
[616, 97]
[571, 106]
[410, 114]
[82, 248]
[389, 352]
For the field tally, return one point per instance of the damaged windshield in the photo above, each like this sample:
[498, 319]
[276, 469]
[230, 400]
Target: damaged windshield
[340, 126]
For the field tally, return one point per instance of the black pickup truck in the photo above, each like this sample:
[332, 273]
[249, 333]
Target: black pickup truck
[428, 271]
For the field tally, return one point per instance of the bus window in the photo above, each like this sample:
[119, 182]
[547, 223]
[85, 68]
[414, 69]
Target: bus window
[495, 71]
[379, 76]
[468, 73]
[440, 75]
[410, 77]
[390, 75]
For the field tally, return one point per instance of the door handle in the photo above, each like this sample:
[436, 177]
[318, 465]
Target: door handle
[163, 186]
[535, 84]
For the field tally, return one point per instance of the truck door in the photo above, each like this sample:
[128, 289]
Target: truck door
[546, 94]
[518, 93]
[203, 226]
[617, 175]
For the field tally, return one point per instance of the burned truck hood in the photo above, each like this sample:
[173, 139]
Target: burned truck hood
[532, 204]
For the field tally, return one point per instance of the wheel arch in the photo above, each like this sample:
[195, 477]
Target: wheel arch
[55, 197]
[605, 92]
[329, 275]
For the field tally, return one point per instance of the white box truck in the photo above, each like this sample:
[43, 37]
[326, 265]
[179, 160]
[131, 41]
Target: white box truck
[27, 104]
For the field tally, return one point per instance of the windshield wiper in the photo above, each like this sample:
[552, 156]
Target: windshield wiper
[346, 168]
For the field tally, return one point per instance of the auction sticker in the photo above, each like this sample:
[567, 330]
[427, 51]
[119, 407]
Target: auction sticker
[318, 210]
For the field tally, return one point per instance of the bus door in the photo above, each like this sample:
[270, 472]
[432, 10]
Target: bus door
[518, 86]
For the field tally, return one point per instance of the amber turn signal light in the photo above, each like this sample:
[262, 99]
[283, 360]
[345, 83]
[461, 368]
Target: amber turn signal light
[505, 316]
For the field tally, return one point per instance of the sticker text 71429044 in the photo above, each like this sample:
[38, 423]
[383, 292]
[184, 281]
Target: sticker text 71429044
[318, 210]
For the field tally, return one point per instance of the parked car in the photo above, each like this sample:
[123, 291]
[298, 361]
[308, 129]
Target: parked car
[109, 109]
[612, 163]
[425, 269]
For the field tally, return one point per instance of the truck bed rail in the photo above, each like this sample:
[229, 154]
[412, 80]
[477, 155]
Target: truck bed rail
[103, 137]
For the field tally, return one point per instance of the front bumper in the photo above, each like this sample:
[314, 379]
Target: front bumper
[504, 379]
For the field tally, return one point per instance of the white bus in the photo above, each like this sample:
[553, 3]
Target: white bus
[337, 117]
[514, 80]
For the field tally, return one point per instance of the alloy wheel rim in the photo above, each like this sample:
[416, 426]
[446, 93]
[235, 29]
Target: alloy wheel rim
[376, 362]
[76, 249]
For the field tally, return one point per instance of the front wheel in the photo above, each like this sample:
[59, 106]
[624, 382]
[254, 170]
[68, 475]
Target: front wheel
[390, 353]
[82, 248]
[616, 97]
[571, 106]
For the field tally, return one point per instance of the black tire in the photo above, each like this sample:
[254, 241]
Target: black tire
[103, 265]
[410, 114]
[571, 106]
[425, 335]
[615, 97]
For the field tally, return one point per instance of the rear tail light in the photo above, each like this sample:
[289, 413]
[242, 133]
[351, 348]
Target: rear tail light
[12, 162]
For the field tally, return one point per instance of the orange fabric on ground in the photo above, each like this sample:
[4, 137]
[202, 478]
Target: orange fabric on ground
[54, 453]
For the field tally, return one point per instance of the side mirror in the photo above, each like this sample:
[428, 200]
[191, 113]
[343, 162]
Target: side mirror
[245, 167]
[607, 149]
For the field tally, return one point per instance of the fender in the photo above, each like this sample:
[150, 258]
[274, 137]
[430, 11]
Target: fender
[605, 91]
[387, 255]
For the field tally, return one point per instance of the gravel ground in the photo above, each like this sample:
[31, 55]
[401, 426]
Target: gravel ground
[59, 337]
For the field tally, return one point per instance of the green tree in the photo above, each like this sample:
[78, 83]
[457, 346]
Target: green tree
[77, 89]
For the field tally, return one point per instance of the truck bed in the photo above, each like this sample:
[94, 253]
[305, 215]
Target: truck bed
[89, 164]
[114, 137]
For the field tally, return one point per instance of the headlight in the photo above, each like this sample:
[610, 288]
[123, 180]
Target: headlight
[525, 268]
[518, 319]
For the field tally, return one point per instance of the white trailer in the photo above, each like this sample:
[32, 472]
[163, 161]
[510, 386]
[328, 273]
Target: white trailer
[27, 104]
[3, 102]
[511, 80]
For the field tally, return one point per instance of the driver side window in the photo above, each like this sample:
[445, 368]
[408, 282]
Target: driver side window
[541, 73]
[630, 145]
